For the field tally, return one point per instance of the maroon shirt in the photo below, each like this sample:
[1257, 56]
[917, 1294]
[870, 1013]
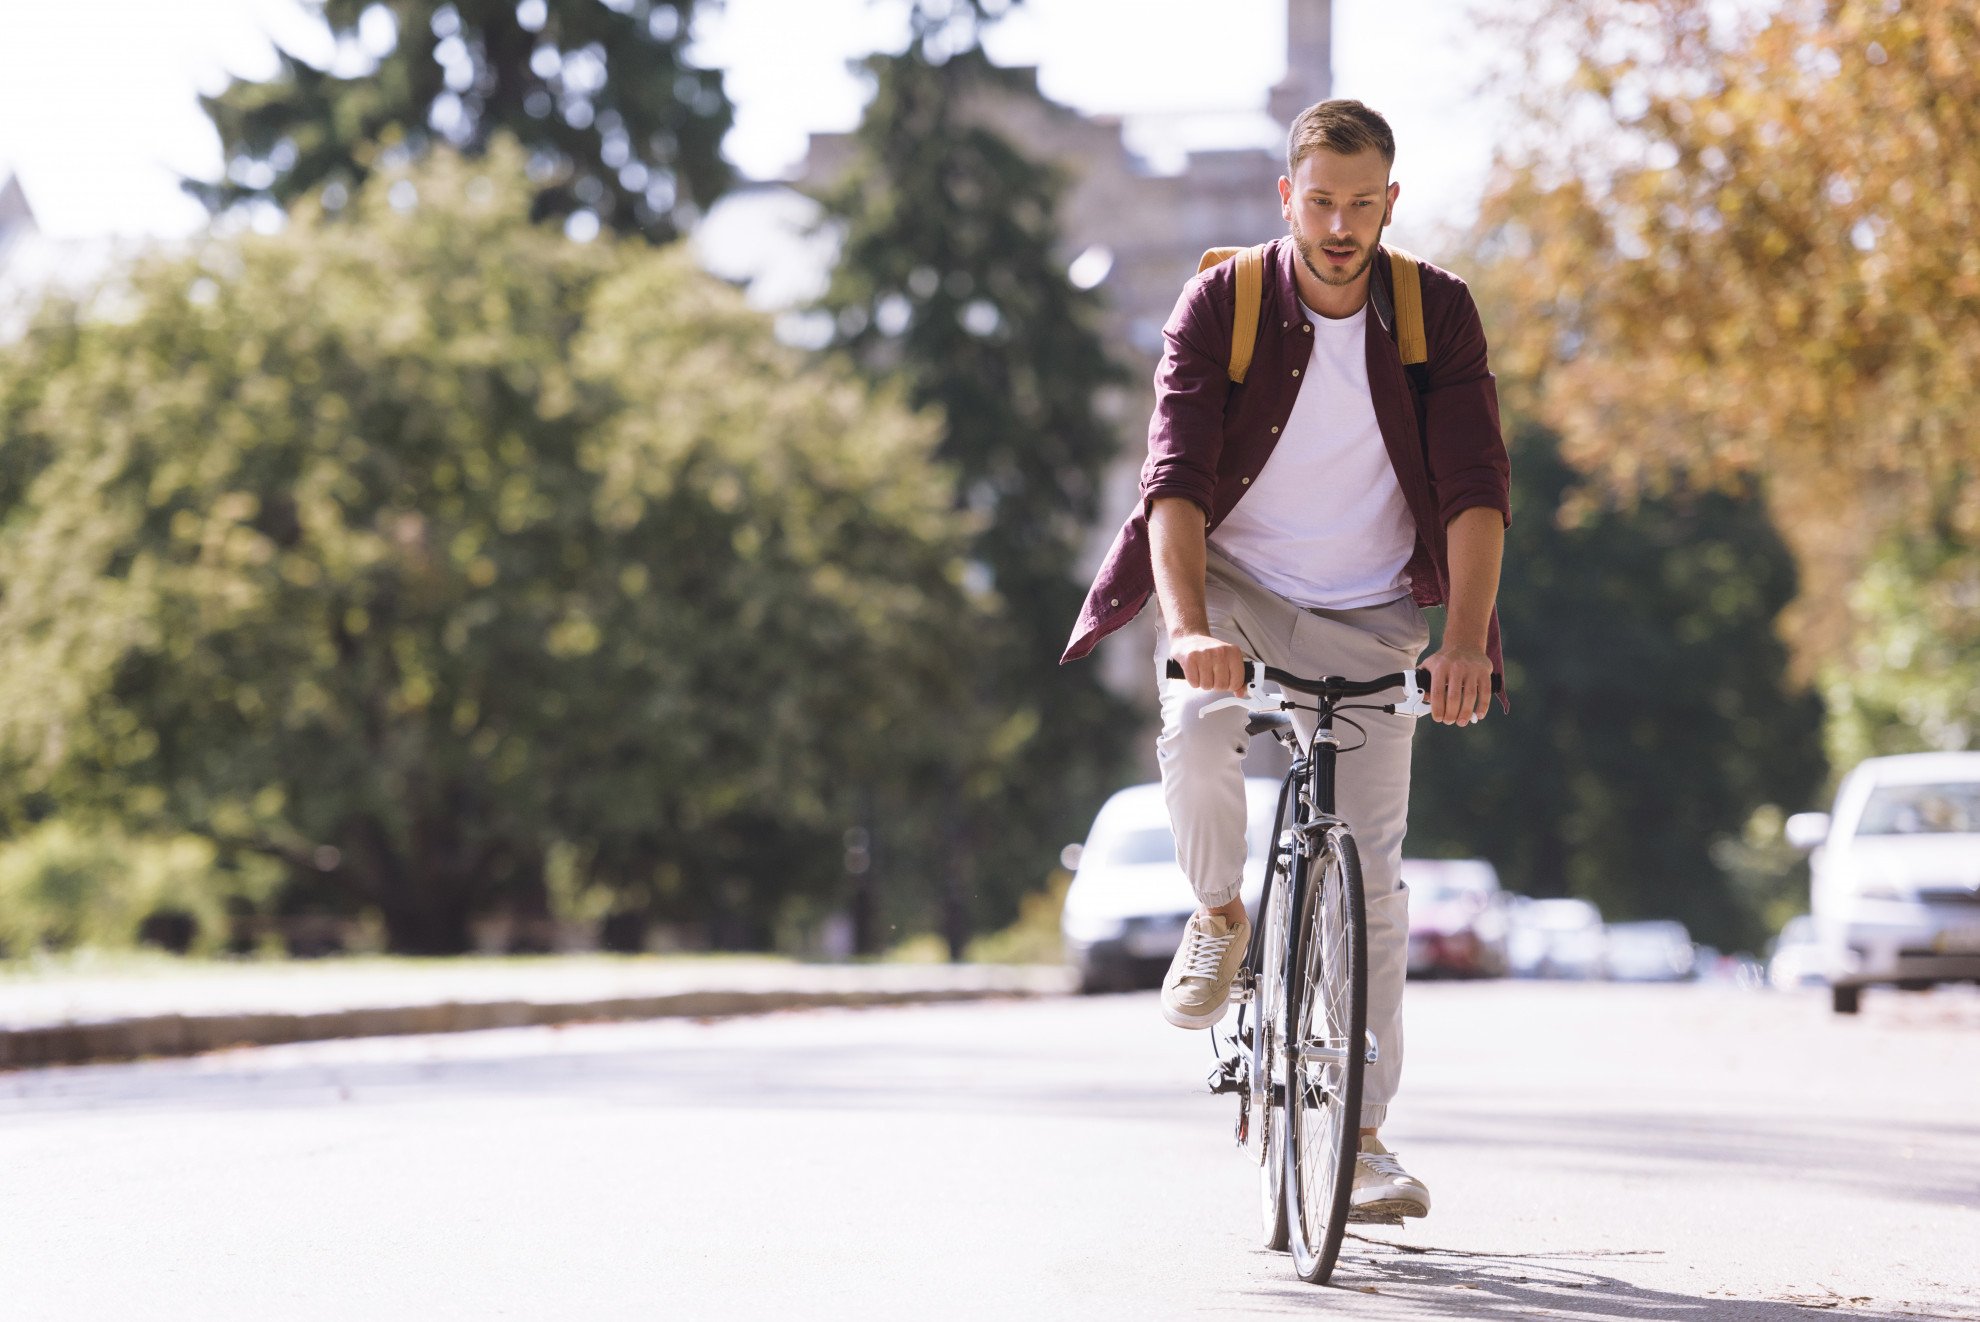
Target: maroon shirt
[1208, 439]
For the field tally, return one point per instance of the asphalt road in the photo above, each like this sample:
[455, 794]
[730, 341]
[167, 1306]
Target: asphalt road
[1594, 1152]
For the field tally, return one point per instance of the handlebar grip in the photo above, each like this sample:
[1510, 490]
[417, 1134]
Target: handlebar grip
[1176, 670]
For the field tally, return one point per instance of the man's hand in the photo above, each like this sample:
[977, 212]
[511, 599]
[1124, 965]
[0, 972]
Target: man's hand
[1460, 685]
[1209, 663]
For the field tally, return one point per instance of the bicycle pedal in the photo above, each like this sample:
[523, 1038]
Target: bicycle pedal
[1388, 1219]
[1227, 1075]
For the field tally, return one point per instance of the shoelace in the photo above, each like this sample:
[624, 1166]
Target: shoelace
[1385, 1165]
[1206, 954]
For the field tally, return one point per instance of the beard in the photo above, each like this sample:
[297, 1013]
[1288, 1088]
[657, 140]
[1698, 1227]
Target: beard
[1325, 274]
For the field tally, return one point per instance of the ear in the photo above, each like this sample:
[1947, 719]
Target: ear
[1389, 208]
[1285, 198]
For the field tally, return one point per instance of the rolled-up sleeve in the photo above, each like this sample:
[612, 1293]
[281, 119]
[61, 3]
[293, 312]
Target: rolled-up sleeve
[1186, 430]
[1466, 451]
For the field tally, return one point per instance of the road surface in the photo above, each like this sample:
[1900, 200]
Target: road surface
[1594, 1152]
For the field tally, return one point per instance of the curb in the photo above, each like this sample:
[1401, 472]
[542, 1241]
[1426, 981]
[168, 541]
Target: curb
[189, 1035]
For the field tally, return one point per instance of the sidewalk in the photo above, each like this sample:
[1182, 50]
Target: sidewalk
[72, 1014]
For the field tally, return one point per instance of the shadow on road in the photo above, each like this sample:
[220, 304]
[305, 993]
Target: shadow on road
[1423, 1280]
[1847, 1154]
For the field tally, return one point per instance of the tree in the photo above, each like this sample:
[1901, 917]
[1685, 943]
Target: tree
[950, 283]
[426, 548]
[618, 122]
[1652, 715]
[1745, 246]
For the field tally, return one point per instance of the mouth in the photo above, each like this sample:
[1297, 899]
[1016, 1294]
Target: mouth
[1338, 256]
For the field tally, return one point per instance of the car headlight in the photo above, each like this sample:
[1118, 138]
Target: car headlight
[1092, 927]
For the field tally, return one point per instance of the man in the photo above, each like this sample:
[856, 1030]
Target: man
[1305, 518]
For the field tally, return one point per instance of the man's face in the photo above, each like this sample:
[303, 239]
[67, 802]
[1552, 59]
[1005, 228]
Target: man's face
[1336, 207]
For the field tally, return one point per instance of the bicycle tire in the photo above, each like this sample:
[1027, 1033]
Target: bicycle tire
[1267, 1095]
[1323, 1093]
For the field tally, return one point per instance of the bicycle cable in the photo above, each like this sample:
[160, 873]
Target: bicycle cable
[1344, 720]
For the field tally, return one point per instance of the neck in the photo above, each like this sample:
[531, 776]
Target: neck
[1334, 301]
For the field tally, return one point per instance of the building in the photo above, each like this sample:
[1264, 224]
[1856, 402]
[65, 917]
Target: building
[1142, 233]
[31, 262]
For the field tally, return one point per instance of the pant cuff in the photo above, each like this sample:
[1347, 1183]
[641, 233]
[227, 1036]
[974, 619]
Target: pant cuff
[1210, 899]
[1373, 1117]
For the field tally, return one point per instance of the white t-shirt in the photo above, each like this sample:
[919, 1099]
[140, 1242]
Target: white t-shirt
[1324, 522]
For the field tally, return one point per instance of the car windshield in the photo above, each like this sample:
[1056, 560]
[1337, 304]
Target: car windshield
[1145, 845]
[1563, 915]
[1922, 810]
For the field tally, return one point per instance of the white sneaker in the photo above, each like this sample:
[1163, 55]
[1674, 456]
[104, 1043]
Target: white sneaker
[1383, 1190]
[1197, 991]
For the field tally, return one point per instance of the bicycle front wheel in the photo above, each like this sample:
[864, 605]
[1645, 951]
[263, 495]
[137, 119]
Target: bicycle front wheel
[1326, 1051]
[1268, 1079]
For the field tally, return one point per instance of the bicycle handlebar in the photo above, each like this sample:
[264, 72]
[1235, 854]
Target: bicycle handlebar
[1333, 686]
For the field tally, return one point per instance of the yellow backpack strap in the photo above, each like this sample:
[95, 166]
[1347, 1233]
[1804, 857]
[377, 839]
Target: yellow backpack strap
[1250, 299]
[1408, 282]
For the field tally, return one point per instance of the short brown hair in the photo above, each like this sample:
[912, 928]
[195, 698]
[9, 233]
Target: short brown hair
[1345, 128]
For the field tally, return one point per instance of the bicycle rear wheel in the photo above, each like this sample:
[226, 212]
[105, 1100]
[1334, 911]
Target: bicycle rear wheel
[1268, 1077]
[1326, 1046]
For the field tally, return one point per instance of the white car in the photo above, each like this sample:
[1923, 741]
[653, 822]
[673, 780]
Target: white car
[1896, 874]
[1129, 900]
[1555, 938]
[1794, 957]
[1656, 950]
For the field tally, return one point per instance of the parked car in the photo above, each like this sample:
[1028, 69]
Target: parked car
[1457, 918]
[1129, 900]
[1555, 938]
[1658, 950]
[1794, 956]
[1895, 889]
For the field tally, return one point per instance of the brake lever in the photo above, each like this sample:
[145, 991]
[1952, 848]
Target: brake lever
[1415, 701]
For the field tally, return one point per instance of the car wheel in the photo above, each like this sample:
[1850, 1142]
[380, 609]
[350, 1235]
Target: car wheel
[1845, 1000]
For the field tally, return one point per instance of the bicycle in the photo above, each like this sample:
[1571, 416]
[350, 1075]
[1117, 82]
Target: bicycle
[1312, 940]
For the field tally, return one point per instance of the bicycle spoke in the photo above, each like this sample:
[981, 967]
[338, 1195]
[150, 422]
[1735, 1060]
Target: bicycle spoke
[1326, 1060]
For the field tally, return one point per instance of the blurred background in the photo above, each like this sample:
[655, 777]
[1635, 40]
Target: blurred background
[619, 474]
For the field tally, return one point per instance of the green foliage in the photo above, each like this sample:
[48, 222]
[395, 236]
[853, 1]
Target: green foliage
[950, 283]
[1911, 683]
[618, 121]
[1651, 713]
[63, 887]
[1034, 938]
[423, 550]
[1740, 243]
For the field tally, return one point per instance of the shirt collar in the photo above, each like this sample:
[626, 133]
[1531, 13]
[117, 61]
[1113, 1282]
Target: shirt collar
[1380, 297]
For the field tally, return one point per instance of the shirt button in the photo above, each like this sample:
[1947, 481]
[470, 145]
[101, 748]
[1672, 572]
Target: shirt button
[1113, 601]
[1295, 371]
[1284, 324]
[1275, 431]
[1245, 483]
[1307, 328]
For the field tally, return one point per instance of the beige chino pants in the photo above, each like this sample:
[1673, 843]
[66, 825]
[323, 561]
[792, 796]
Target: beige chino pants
[1203, 776]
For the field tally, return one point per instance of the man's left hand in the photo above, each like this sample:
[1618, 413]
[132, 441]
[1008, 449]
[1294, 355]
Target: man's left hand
[1460, 685]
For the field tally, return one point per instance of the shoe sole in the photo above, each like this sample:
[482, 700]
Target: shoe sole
[1384, 1208]
[1181, 1020]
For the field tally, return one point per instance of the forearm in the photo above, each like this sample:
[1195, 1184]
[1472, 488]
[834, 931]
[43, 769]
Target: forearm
[1176, 546]
[1475, 541]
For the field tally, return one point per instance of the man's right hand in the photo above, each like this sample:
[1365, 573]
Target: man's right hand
[1209, 663]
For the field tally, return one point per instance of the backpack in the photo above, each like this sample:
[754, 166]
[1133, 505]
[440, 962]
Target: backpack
[1250, 298]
